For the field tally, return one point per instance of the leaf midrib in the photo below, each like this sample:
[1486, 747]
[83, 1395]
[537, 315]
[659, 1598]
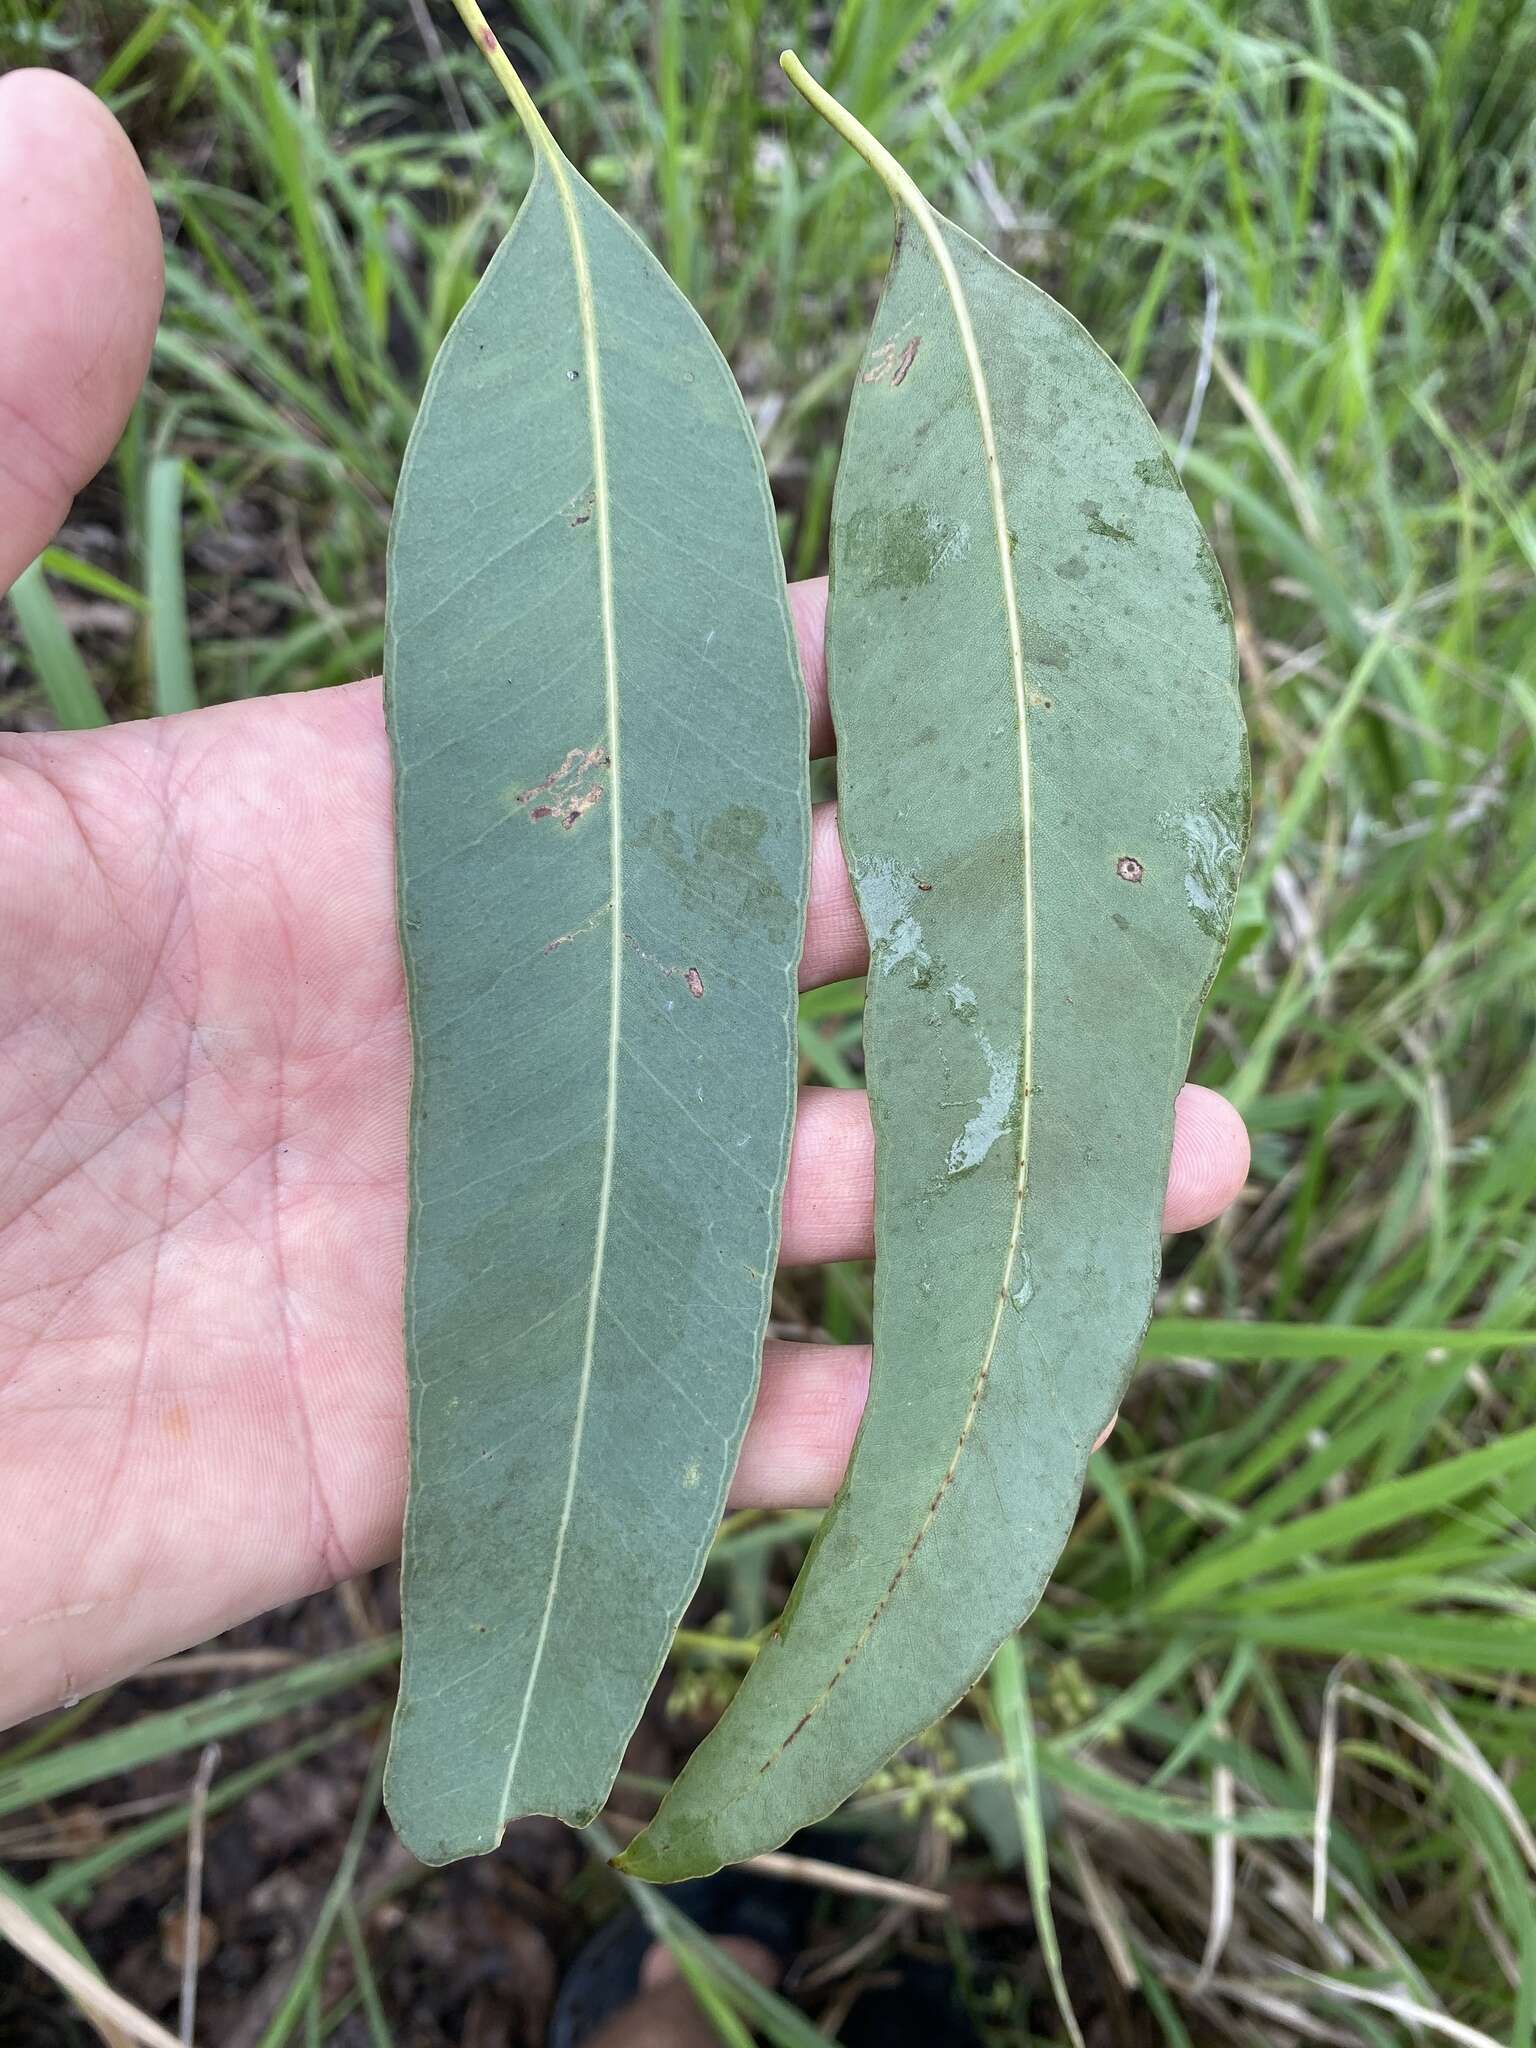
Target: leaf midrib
[549, 158]
[907, 194]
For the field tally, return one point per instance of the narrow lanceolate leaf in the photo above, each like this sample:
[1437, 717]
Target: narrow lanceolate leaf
[599, 735]
[1044, 804]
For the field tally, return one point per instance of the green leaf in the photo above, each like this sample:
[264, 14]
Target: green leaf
[1044, 804]
[290, 2010]
[600, 743]
[1190, 1336]
[169, 644]
[1010, 1702]
[55, 658]
[149, 1737]
[70, 1884]
[1345, 1522]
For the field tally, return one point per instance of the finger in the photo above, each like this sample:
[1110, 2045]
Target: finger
[1210, 1158]
[836, 944]
[808, 609]
[81, 274]
[809, 1401]
[829, 1199]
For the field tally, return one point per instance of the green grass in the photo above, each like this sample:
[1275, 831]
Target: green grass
[1290, 1655]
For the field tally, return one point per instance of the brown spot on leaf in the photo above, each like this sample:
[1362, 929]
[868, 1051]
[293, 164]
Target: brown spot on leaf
[487, 42]
[886, 362]
[689, 975]
[789, 1738]
[575, 765]
[1129, 868]
[569, 786]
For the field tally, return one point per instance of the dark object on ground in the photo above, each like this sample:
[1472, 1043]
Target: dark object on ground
[922, 2008]
[606, 1973]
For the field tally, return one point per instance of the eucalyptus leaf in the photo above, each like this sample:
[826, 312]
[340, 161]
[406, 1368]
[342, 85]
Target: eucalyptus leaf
[599, 732]
[1044, 797]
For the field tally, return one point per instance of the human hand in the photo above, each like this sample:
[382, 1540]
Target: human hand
[204, 1070]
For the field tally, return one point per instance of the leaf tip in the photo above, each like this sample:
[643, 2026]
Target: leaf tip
[635, 1861]
[663, 1859]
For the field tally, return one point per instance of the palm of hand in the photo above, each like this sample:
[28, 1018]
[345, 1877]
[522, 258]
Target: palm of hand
[204, 1068]
[205, 1060]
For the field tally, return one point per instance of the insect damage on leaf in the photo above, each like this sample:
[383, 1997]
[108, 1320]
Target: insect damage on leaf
[1024, 1041]
[886, 362]
[567, 792]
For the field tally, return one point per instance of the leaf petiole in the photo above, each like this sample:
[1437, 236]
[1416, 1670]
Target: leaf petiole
[522, 100]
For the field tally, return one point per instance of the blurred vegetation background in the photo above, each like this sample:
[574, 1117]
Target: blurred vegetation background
[1279, 1701]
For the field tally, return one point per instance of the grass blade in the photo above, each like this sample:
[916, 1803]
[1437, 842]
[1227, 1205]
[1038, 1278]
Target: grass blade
[306, 1977]
[55, 658]
[173, 688]
[43, 1939]
[71, 1883]
[181, 1728]
[1009, 1685]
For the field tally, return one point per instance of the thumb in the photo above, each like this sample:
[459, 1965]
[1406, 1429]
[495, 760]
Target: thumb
[80, 280]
